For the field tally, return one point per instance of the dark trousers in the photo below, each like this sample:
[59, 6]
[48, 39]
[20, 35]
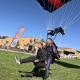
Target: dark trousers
[36, 68]
[29, 59]
[43, 65]
[38, 65]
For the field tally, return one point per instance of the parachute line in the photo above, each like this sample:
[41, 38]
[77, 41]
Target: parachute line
[63, 14]
[70, 17]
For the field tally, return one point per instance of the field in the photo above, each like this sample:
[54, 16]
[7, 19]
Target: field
[65, 69]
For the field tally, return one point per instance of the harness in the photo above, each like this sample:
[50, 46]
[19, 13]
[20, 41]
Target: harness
[55, 52]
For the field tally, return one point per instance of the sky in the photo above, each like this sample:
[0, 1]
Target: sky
[15, 14]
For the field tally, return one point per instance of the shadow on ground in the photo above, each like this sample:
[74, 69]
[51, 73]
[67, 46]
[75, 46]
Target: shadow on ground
[40, 73]
[68, 65]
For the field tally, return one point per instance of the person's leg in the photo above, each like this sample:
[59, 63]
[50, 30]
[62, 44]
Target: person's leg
[47, 68]
[29, 59]
[52, 60]
[32, 72]
[26, 60]
[36, 68]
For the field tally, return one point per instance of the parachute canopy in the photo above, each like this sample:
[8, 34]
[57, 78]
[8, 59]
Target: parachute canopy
[52, 5]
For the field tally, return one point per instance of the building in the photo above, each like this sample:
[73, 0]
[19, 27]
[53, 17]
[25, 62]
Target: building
[68, 51]
[25, 41]
[22, 41]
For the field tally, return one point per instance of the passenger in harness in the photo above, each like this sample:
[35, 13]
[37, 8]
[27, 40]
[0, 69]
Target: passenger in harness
[39, 61]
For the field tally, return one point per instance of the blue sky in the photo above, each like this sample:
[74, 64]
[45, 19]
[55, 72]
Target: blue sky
[15, 14]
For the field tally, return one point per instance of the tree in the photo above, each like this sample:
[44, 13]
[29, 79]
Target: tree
[42, 40]
[78, 51]
[0, 36]
[35, 42]
[30, 42]
[17, 44]
[3, 37]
